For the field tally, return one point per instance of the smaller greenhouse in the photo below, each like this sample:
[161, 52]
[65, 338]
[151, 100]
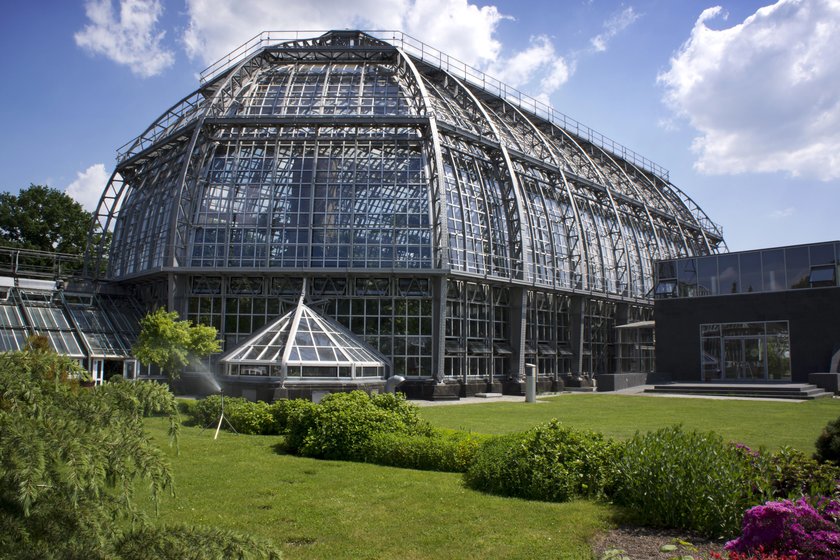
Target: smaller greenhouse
[303, 344]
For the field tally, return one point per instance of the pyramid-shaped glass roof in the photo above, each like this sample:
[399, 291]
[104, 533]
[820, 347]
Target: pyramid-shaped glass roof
[303, 343]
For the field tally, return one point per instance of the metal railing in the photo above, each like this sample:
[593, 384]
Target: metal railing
[454, 66]
[40, 264]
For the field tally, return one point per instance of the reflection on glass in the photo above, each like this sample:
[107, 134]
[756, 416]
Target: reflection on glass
[774, 270]
[798, 268]
[730, 272]
[707, 276]
[822, 254]
[750, 272]
[687, 277]
[666, 270]
[751, 351]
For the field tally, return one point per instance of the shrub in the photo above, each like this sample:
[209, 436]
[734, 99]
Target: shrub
[187, 407]
[443, 450]
[182, 541]
[251, 418]
[206, 411]
[245, 416]
[791, 528]
[280, 411]
[551, 462]
[828, 443]
[790, 474]
[300, 418]
[342, 424]
[686, 480]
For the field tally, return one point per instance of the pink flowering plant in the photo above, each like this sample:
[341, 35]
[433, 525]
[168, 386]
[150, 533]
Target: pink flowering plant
[798, 529]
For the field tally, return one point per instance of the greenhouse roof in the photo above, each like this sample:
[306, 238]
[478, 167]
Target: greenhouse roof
[303, 337]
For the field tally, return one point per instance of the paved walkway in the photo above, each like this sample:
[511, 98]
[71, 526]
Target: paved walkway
[636, 391]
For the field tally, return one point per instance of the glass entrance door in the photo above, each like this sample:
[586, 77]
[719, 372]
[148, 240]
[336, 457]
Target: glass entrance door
[745, 358]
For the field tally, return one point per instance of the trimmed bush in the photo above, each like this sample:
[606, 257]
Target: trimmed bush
[341, 425]
[686, 480]
[280, 411]
[551, 462]
[251, 418]
[443, 450]
[828, 443]
[246, 417]
[300, 418]
[791, 528]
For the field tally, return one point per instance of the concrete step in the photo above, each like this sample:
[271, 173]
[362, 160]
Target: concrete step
[801, 391]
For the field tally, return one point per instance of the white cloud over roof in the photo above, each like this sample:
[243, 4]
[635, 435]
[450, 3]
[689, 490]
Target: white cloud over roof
[89, 186]
[130, 38]
[763, 94]
[456, 27]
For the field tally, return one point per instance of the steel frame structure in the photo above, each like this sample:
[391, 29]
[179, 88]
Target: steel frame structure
[369, 155]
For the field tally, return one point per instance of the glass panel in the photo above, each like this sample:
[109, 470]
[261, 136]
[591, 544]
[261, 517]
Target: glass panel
[711, 366]
[778, 350]
[707, 276]
[687, 277]
[753, 358]
[822, 254]
[729, 272]
[798, 267]
[823, 276]
[734, 354]
[774, 270]
[750, 272]
[666, 270]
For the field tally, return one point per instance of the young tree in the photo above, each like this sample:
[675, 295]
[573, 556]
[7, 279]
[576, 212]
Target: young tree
[43, 219]
[71, 459]
[169, 343]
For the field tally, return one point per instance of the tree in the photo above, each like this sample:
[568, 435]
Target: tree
[71, 459]
[169, 343]
[43, 219]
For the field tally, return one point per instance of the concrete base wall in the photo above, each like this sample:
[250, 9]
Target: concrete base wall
[618, 381]
[829, 382]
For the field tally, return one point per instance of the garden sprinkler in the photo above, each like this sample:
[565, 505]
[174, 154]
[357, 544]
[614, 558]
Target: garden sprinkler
[222, 417]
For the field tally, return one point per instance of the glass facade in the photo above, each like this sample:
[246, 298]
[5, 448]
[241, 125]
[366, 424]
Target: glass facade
[756, 351]
[83, 326]
[455, 232]
[767, 270]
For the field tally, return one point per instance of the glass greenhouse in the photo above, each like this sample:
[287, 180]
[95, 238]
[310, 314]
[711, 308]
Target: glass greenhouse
[448, 221]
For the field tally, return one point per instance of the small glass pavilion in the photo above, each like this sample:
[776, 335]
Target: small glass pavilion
[304, 344]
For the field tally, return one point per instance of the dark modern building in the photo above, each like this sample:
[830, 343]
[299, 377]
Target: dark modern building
[758, 316]
[454, 226]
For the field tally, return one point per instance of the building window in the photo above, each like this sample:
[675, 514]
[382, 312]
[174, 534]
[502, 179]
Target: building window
[758, 351]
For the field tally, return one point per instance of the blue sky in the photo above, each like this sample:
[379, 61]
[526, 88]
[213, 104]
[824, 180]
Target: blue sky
[740, 101]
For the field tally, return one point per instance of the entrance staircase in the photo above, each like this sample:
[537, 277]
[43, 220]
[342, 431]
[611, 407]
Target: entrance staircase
[797, 391]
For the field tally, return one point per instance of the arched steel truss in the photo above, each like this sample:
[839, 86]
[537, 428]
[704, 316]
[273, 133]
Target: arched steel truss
[574, 215]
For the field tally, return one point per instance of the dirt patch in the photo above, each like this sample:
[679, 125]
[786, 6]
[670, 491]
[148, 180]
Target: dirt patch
[641, 543]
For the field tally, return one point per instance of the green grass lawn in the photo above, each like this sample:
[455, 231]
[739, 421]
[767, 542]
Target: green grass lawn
[755, 423]
[329, 509]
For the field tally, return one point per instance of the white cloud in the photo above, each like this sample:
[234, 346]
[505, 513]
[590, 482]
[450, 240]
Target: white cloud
[612, 27]
[89, 186]
[456, 27]
[538, 63]
[132, 39]
[763, 93]
[783, 213]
